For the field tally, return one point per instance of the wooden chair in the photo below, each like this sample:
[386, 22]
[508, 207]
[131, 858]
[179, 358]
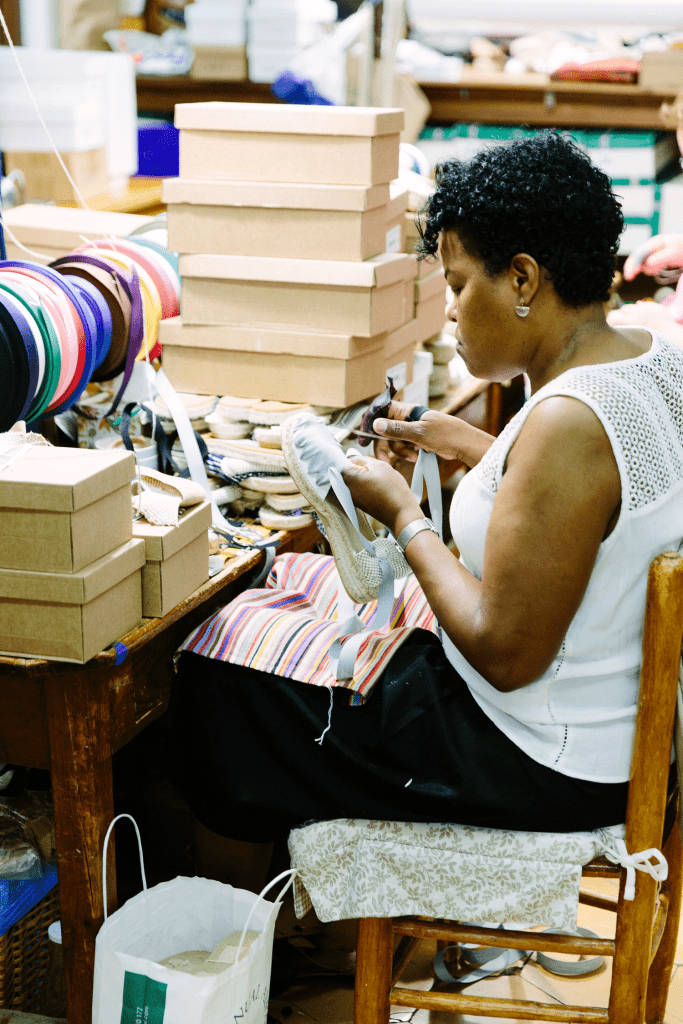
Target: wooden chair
[646, 928]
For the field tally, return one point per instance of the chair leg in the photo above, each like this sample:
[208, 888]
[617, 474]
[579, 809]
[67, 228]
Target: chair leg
[662, 965]
[631, 962]
[373, 971]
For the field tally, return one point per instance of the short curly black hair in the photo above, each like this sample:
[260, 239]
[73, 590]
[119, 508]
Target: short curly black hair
[542, 196]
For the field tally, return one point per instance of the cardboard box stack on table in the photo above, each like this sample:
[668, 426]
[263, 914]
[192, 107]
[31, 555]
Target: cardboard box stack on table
[70, 569]
[281, 214]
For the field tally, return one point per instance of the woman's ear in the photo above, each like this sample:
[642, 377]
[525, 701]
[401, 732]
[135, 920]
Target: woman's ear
[524, 275]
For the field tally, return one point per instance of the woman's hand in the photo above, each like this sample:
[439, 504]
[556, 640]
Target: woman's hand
[659, 253]
[381, 491]
[453, 440]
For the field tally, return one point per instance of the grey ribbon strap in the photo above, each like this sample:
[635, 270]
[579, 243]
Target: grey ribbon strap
[427, 470]
[492, 960]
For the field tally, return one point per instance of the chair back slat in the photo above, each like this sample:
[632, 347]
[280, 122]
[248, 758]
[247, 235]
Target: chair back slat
[662, 636]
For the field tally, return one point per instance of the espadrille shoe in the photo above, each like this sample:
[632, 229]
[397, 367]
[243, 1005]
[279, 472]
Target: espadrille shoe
[316, 462]
[284, 520]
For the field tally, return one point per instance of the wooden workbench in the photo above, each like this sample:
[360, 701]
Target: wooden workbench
[71, 719]
[531, 99]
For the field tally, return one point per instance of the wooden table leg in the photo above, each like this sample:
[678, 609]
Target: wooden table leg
[78, 718]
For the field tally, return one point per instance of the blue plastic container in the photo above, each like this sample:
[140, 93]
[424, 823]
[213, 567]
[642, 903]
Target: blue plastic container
[158, 149]
[18, 896]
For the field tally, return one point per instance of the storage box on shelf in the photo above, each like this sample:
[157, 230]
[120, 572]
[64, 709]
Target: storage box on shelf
[55, 231]
[316, 145]
[397, 208]
[430, 304]
[46, 180]
[176, 559]
[323, 222]
[57, 76]
[399, 348]
[216, 23]
[363, 299]
[219, 63]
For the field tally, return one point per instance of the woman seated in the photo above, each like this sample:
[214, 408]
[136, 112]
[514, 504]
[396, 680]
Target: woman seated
[523, 717]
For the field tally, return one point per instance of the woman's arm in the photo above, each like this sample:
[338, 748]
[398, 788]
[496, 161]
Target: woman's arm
[558, 497]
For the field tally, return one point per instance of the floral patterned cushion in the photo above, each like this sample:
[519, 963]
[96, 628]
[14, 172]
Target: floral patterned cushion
[353, 868]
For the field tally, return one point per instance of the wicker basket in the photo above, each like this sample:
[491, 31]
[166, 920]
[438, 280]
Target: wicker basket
[24, 953]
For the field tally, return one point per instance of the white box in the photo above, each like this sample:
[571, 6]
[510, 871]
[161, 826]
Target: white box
[216, 22]
[107, 76]
[75, 124]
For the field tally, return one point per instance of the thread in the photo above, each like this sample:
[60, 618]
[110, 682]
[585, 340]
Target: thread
[77, 191]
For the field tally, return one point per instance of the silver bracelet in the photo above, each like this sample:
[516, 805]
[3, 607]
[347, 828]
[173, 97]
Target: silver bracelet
[412, 529]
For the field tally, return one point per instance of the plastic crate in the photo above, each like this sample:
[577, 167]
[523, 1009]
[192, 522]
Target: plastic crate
[24, 954]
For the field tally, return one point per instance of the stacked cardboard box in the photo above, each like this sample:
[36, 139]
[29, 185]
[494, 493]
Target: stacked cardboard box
[280, 215]
[70, 580]
[176, 559]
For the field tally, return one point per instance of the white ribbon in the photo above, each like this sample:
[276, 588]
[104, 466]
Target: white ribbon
[618, 854]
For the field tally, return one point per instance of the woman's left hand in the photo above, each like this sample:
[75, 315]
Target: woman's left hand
[379, 490]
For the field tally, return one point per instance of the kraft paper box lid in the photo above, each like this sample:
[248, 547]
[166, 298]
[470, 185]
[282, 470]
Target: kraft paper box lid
[350, 198]
[433, 284]
[162, 542]
[62, 228]
[398, 203]
[399, 339]
[266, 338]
[377, 272]
[78, 587]
[286, 119]
[63, 479]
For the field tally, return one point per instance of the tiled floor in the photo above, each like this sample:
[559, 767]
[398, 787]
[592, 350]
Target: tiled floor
[328, 998]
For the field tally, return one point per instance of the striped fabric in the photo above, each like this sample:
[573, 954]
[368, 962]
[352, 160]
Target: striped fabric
[288, 627]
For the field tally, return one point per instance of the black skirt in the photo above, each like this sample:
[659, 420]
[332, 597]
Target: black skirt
[419, 749]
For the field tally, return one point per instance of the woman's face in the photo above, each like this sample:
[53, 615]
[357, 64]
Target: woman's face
[483, 307]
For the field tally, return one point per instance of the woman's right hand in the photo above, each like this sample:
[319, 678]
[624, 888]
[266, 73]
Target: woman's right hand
[434, 432]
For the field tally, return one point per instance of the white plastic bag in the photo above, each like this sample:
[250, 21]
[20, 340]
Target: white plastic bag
[131, 987]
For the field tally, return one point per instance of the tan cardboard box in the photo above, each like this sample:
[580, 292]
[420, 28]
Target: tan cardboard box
[429, 286]
[177, 559]
[662, 70]
[58, 230]
[363, 299]
[273, 362]
[395, 224]
[63, 508]
[289, 143]
[72, 616]
[45, 178]
[428, 265]
[220, 63]
[319, 222]
[431, 318]
[399, 347]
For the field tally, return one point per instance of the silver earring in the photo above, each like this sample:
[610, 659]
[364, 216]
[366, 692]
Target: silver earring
[522, 310]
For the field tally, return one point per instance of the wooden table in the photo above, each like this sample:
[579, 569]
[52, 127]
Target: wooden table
[70, 719]
[141, 195]
[530, 98]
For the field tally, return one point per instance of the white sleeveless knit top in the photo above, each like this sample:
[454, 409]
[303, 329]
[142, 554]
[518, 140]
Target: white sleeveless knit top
[579, 716]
